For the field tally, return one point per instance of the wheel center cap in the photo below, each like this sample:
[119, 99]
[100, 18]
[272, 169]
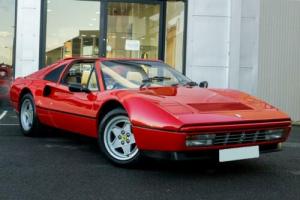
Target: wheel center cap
[124, 138]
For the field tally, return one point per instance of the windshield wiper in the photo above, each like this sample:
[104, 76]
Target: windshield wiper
[148, 81]
[156, 78]
[191, 83]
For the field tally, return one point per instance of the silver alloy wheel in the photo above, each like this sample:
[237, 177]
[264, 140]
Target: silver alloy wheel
[119, 140]
[26, 115]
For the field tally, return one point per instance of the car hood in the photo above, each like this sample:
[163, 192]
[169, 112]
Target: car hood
[182, 100]
[196, 106]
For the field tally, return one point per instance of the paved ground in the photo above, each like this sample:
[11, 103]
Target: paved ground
[64, 166]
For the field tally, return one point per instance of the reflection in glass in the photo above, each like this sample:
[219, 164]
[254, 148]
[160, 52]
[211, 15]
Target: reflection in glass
[133, 30]
[72, 29]
[174, 34]
[7, 21]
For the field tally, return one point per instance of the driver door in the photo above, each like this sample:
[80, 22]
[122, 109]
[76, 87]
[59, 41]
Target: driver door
[76, 111]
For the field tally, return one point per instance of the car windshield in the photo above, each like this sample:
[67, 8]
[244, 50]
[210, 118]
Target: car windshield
[120, 74]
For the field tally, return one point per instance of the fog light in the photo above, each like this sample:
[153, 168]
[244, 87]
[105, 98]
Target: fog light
[200, 140]
[274, 134]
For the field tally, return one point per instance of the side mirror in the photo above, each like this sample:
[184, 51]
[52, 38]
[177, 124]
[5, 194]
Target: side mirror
[203, 84]
[78, 88]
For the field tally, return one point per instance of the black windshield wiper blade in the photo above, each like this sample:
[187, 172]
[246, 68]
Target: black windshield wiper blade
[148, 81]
[191, 83]
[156, 78]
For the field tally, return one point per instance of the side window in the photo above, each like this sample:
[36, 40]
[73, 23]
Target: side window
[79, 73]
[93, 82]
[54, 75]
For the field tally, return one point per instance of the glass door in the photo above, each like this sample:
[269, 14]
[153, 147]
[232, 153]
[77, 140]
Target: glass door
[133, 30]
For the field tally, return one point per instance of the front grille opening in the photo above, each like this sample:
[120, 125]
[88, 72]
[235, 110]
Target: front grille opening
[245, 137]
[238, 137]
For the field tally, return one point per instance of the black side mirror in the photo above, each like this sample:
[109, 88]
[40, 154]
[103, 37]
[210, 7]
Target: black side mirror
[203, 84]
[78, 88]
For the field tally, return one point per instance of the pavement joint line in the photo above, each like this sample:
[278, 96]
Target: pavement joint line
[296, 123]
[292, 144]
[297, 173]
[3, 114]
[9, 124]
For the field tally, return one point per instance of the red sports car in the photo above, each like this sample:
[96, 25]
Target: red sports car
[139, 108]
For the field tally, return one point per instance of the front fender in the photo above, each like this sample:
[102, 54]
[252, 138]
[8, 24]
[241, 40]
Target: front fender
[144, 113]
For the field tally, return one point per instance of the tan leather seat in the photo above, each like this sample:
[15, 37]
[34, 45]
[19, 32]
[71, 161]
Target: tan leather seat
[135, 77]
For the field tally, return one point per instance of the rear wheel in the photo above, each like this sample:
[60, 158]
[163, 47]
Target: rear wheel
[116, 139]
[27, 116]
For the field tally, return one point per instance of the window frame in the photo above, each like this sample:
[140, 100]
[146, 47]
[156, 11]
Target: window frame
[67, 68]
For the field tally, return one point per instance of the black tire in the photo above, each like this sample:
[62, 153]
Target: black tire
[35, 127]
[135, 160]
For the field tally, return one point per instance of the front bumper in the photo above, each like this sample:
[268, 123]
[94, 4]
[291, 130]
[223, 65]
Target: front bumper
[167, 141]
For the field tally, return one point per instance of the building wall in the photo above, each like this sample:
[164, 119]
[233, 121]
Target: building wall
[208, 35]
[222, 43]
[27, 37]
[279, 55]
[222, 38]
[248, 66]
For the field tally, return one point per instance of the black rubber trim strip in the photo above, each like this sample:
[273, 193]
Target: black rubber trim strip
[68, 113]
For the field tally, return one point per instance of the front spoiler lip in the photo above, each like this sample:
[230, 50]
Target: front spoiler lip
[202, 155]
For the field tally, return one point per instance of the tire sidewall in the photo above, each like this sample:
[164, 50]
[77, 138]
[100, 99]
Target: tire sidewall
[109, 116]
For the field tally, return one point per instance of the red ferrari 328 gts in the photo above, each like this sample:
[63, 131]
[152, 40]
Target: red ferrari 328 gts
[139, 108]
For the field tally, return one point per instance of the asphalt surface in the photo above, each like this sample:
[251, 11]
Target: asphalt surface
[59, 165]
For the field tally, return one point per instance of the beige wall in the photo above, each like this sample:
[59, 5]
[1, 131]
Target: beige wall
[279, 55]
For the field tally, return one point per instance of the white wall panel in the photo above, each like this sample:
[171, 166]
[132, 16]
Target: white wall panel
[249, 8]
[222, 42]
[27, 37]
[249, 41]
[216, 76]
[210, 7]
[246, 79]
[209, 41]
[279, 55]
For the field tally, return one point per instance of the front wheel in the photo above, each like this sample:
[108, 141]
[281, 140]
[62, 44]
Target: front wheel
[116, 139]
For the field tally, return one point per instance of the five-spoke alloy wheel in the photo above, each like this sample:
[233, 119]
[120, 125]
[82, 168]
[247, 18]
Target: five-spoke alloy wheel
[27, 116]
[116, 138]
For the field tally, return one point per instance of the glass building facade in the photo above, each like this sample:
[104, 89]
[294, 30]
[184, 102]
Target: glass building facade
[115, 29]
[7, 29]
